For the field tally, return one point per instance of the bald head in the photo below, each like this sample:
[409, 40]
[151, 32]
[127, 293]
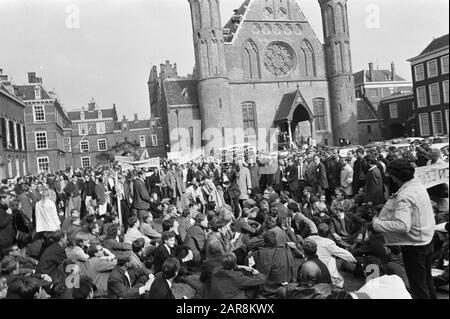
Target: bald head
[309, 274]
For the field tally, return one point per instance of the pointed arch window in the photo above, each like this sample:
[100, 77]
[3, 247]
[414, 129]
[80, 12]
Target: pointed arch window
[249, 118]
[329, 23]
[340, 18]
[310, 60]
[251, 60]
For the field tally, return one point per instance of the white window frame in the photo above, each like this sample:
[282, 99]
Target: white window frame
[37, 92]
[37, 163]
[81, 148]
[438, 87]
[34, 112]
[154, 138]
[421, 124]
[393, 110]
[68, 142]
[36, 141]
[98, 144]
[425, 96]
[446, 119]
[101, 124]
[434, 61]
[416, 67]
[83, 158]
[443, 71]
[80, 126]
[82, 116]
[445, 91]
[434, 123]
[142, 140]
[100, 115]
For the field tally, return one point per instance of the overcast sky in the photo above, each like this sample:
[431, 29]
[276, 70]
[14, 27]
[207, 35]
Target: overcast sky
[110, 55]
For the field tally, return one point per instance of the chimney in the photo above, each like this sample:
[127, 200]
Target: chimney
[371, 77]
[1, 71]
[31, 77]
[393, 71]
[135, 117]
[124, 119]
[91, 105]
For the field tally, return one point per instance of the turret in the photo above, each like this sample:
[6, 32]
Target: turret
[339, 72]
[211, 72]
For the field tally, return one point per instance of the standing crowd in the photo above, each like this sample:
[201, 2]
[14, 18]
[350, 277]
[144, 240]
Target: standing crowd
[305, 227]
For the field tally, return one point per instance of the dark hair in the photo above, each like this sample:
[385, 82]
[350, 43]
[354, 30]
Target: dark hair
[186, 212]
[167, 235]
[229, 261]
[92, 250]
[401, 169]
[111, 233]
[170, 268]
[270, 239]
[56, 236]
[215, 248]
[137, 245]
[216, 223]
[8, 265]
[84, 289]
[24, 287]
[168, 224]
[132, 221]
[323, 230]
[294, 207]
[309, 247]
[200, 217]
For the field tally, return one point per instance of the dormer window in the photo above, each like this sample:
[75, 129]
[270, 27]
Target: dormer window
[82, 116]
[37, 92]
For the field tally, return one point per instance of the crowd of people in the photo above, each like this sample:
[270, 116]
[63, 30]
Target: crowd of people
[226, 230]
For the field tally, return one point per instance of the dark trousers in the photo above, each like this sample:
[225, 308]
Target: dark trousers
[417, 261]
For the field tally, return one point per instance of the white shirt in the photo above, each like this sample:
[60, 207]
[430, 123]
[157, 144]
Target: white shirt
[327, 251]
[46, 216]
[386, 287]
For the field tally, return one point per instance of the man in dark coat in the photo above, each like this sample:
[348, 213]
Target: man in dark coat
[374, 182]
[141, 198]
[162, 286]
[167, 249]
[359, 176]
[196, 238]
[292, 178]
[7, 233]
[320, 179]
[229, 282]
[127, 282]
[53, 255]
[231, 188]
[310, 251]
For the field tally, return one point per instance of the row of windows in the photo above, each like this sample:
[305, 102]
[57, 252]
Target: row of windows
[432, 69]
[437, 122]
[83, 128]
[14, 134]
[42, 142]
[250, 120]
[434, 94]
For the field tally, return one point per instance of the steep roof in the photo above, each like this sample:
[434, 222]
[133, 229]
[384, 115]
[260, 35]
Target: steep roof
[436, 44]
[27, 92]
[398, 95]
[90, 115]
[366, 111]
[232, 26]
[378, 76]
[181, 92]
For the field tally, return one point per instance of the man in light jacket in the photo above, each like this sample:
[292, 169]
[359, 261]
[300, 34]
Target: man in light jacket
[244, 182]
[347, 176]
[407, 220]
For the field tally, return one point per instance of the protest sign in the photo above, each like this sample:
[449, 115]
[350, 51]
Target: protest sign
[432, 175]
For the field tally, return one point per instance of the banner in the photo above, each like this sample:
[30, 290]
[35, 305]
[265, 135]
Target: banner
[150, 163]
[124, 158]
[432, 175]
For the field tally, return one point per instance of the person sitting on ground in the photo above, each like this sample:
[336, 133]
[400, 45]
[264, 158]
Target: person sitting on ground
[230, 282]
[127, 282]
[310, 250]
[328, 251]
[54, 255]
[98, 267]
[196, 238]
[137, 255]
[308, 285]
[147, 228]
[212, 261]
[162, 285]
[112, 242]
[168, 249]
[186, 221]
[133, 232]
[85, 290]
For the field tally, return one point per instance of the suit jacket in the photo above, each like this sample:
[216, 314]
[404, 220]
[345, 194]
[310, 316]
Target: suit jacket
[357, 168]
[183, 225]
[160, 289]
[99, 271]
[141, 198]
[100, 193]
[233, 190]
[233, 284]
[181, 186]
[50, 260]
[171, 180]
[160, 255]
[321, 175]
[120, 288]
[196, 241]
[374, 187]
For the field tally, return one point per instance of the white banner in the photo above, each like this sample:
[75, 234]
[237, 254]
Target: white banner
[124, 158]
[432, 175]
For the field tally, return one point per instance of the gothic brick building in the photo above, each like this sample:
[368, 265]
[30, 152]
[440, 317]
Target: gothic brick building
[265, 68]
